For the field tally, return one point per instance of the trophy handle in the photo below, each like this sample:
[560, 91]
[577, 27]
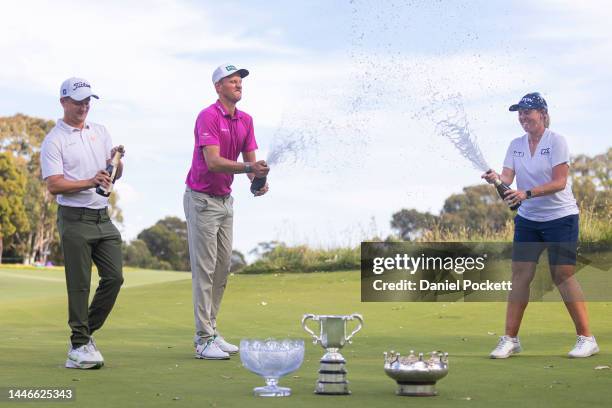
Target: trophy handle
[315, 338]
[359, 326]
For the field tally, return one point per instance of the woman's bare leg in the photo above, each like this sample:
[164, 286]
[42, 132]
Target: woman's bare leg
[518, 298]
[571, 292]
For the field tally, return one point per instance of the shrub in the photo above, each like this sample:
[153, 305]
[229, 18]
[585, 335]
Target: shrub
[303, 259]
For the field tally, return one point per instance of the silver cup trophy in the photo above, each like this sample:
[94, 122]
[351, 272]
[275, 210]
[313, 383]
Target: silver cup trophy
[332, 336]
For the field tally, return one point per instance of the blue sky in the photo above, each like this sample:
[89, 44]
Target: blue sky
[351, 82]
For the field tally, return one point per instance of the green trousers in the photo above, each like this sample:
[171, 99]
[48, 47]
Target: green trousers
[89, 235]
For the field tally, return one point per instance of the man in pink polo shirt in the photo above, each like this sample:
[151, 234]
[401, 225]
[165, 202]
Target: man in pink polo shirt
[222, 133]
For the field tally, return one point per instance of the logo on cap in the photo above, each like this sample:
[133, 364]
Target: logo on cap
[230, 68]
[78, 85]
[530, 101]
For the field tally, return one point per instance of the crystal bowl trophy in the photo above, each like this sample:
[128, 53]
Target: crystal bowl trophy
[272, 359]
[414, 375]
[332, 336]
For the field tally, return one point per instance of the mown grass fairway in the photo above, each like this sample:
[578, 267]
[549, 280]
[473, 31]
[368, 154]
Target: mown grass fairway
[149, 362]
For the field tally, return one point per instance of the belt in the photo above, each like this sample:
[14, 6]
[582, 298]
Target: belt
[98, 216]
[85, 210]
[218, 197]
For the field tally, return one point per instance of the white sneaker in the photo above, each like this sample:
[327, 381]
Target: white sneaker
[83, 357]
[585, 347]
[210, 351]
[225, 346]
[94, 349]
[506, 347]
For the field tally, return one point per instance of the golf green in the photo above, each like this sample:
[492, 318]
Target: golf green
[149, 355]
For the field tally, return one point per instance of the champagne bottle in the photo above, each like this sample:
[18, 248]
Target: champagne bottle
[501, 190]
[257, 184]
[112, 170]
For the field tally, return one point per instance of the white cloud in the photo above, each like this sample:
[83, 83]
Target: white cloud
[572, 20]
[127, 193]
[584, 27]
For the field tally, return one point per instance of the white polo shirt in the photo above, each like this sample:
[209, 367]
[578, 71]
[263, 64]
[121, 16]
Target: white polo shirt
[77, 155]
[537, 170]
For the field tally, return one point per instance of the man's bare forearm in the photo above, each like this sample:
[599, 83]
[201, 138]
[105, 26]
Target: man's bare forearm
[223, 165]
[59, 185]
[249, 157]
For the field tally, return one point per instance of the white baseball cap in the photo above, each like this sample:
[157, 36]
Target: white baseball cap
[77, 89]
[225, 70]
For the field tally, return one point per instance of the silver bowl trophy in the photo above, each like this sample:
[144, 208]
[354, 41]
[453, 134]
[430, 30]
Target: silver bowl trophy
[332, 374]
[272, 359]
[414, 375]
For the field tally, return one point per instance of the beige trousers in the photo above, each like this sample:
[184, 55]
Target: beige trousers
[209, 231]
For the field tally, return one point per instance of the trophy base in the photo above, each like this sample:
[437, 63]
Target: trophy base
[417, 389]
[332, 388]
[272, 391]
[332, 366]
[332, 376]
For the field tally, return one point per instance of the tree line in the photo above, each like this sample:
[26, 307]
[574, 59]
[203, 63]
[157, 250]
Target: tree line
[28, 232]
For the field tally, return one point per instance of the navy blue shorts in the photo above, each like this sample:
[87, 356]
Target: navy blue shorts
[559, 236]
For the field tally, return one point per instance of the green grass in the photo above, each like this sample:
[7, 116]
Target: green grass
[147, 345]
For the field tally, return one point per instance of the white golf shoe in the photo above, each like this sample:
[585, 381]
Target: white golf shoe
[93, 347]
[83, 357]
[506, 347]
[225, 346]
[210, 351]
[585, 347]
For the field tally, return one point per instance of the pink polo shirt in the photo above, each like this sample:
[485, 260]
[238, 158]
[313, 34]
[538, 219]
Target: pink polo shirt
[233, 135]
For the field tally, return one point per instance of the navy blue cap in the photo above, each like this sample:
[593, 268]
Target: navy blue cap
[530, 101]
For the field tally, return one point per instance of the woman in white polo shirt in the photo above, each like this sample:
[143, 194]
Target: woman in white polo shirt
[547, 218]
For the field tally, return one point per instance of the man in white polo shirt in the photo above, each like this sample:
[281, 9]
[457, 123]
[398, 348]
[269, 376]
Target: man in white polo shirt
[74, 157]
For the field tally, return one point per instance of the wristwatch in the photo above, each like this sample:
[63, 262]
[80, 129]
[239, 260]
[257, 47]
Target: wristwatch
[529, 194]
[248, 168]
